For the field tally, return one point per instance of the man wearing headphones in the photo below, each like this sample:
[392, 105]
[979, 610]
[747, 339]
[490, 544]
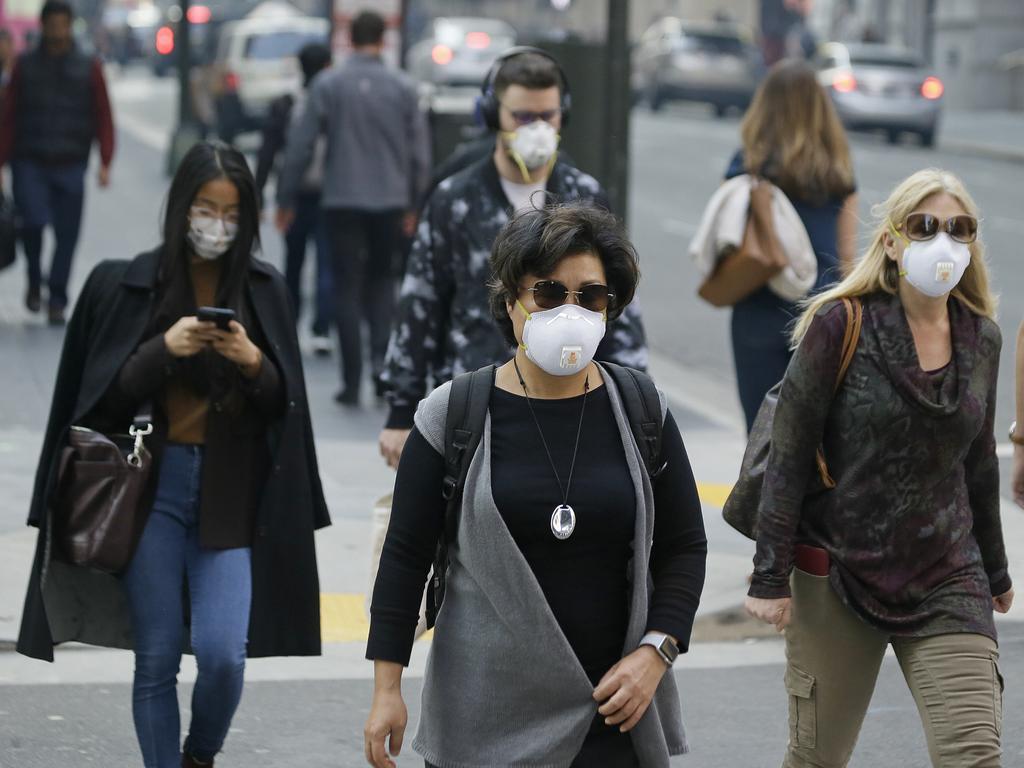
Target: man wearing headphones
[444, 326]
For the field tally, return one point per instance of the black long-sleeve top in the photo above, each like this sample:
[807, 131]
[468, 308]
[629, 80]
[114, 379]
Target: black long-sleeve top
[584, 578]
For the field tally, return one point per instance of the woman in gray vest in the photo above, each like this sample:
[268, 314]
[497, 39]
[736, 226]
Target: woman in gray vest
[567, 597]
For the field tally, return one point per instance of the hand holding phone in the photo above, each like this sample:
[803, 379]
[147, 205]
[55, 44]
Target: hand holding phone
[222, 316]
[188, 337]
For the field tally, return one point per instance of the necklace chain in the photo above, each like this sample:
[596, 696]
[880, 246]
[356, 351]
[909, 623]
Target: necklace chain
[579, 430]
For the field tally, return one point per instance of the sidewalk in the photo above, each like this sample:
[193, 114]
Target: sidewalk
[995, 134]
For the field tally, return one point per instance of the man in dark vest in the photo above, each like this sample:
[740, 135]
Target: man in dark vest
[55, 107]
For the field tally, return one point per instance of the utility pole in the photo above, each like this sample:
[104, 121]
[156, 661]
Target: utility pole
[187, 132]
[617, 106]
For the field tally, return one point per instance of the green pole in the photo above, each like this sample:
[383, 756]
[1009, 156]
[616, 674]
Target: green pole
[618, 105]
[187, 131]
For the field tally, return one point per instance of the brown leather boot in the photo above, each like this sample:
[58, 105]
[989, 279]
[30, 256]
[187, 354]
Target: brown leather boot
[187, 761]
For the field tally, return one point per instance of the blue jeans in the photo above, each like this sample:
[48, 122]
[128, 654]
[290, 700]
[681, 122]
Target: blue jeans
[309, 222]
[49, 195]
[220, 591]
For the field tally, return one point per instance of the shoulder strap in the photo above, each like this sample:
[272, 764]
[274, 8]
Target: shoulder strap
[854, 316]
[643, 410]
[464, 426]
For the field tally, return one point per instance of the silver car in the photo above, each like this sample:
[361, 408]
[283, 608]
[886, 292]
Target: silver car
[458, 51]
[707, 62]
[877, 87]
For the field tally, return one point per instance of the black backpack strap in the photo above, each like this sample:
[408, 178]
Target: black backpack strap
[643, 410]
[464, 426]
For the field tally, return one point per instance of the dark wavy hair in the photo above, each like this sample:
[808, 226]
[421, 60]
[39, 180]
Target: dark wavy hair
[56, 8]
[535, 241]
[206, 161]
[367, 29]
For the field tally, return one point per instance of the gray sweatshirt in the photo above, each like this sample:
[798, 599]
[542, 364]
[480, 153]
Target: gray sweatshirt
[378, 153]
[503, 686]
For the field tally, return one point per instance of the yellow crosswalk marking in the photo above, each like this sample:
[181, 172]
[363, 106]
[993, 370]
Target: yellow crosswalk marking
[713, 494]
[343, 618]
[343, 615]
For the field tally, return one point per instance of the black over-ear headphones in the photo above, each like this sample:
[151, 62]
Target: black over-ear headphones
[487, 103]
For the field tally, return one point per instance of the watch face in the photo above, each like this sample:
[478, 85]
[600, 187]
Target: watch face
[668, 650]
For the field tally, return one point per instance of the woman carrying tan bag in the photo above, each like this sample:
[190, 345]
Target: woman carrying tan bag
[793, 139]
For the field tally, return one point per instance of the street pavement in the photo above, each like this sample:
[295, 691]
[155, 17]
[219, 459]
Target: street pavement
[310, 711]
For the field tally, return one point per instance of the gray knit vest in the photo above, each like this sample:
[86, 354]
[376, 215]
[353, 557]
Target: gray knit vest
[503, 686]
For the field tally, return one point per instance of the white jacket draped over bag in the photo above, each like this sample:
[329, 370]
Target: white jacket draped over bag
[721, 231]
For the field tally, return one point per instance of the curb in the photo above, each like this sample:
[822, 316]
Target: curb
[979, 149]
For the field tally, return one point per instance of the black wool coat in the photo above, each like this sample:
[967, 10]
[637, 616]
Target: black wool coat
[66, 603]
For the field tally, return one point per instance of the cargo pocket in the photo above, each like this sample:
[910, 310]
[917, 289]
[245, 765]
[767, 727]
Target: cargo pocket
[997, 696]
[803, 724]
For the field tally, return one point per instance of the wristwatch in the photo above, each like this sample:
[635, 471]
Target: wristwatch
[663, 644]
[1014, 437]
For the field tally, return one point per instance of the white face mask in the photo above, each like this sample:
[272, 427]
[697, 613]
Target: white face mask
[562, 341]
[533, 146]
[211, 237]
[935, 267]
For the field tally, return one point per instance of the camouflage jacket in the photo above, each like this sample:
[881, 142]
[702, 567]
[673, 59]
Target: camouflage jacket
[444, 325]
[912, 526]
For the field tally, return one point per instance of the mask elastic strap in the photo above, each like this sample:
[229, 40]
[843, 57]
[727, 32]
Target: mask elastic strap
[528, 316]
[554, 159]
[521, 164]
[896, 232]
[901, 236]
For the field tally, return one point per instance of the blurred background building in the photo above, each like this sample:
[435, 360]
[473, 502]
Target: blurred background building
[975, 46]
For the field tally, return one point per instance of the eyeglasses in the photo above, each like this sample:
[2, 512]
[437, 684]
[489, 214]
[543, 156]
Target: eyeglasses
[201, 212]
[925, 226]
[549, 294]
[525, 116]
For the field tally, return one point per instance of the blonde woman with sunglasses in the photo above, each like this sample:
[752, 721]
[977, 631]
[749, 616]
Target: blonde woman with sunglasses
[907, 549]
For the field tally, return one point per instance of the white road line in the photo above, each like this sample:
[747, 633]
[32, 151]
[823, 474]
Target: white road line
[153, 137]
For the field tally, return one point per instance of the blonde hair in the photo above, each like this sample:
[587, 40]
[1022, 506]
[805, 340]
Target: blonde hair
[792, 135]
[875, 271]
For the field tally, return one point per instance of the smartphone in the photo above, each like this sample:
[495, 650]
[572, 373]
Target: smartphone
[219, 315]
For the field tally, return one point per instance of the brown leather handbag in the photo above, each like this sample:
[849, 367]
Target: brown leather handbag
[101, 482]
[739, 273]
[743, 505]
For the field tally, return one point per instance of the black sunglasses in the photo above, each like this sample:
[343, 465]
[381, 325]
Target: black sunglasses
[924, 226]
[548, 294]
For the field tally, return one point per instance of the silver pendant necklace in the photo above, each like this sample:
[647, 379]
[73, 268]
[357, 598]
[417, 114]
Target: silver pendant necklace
[563, 519]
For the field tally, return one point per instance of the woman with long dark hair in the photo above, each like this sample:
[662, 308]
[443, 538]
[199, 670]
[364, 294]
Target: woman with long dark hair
[235, 493]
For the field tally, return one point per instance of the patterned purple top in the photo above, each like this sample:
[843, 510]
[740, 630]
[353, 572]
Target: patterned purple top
[912, 526]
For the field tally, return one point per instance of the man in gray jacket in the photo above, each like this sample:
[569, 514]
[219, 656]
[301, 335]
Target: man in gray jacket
[378, 163]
